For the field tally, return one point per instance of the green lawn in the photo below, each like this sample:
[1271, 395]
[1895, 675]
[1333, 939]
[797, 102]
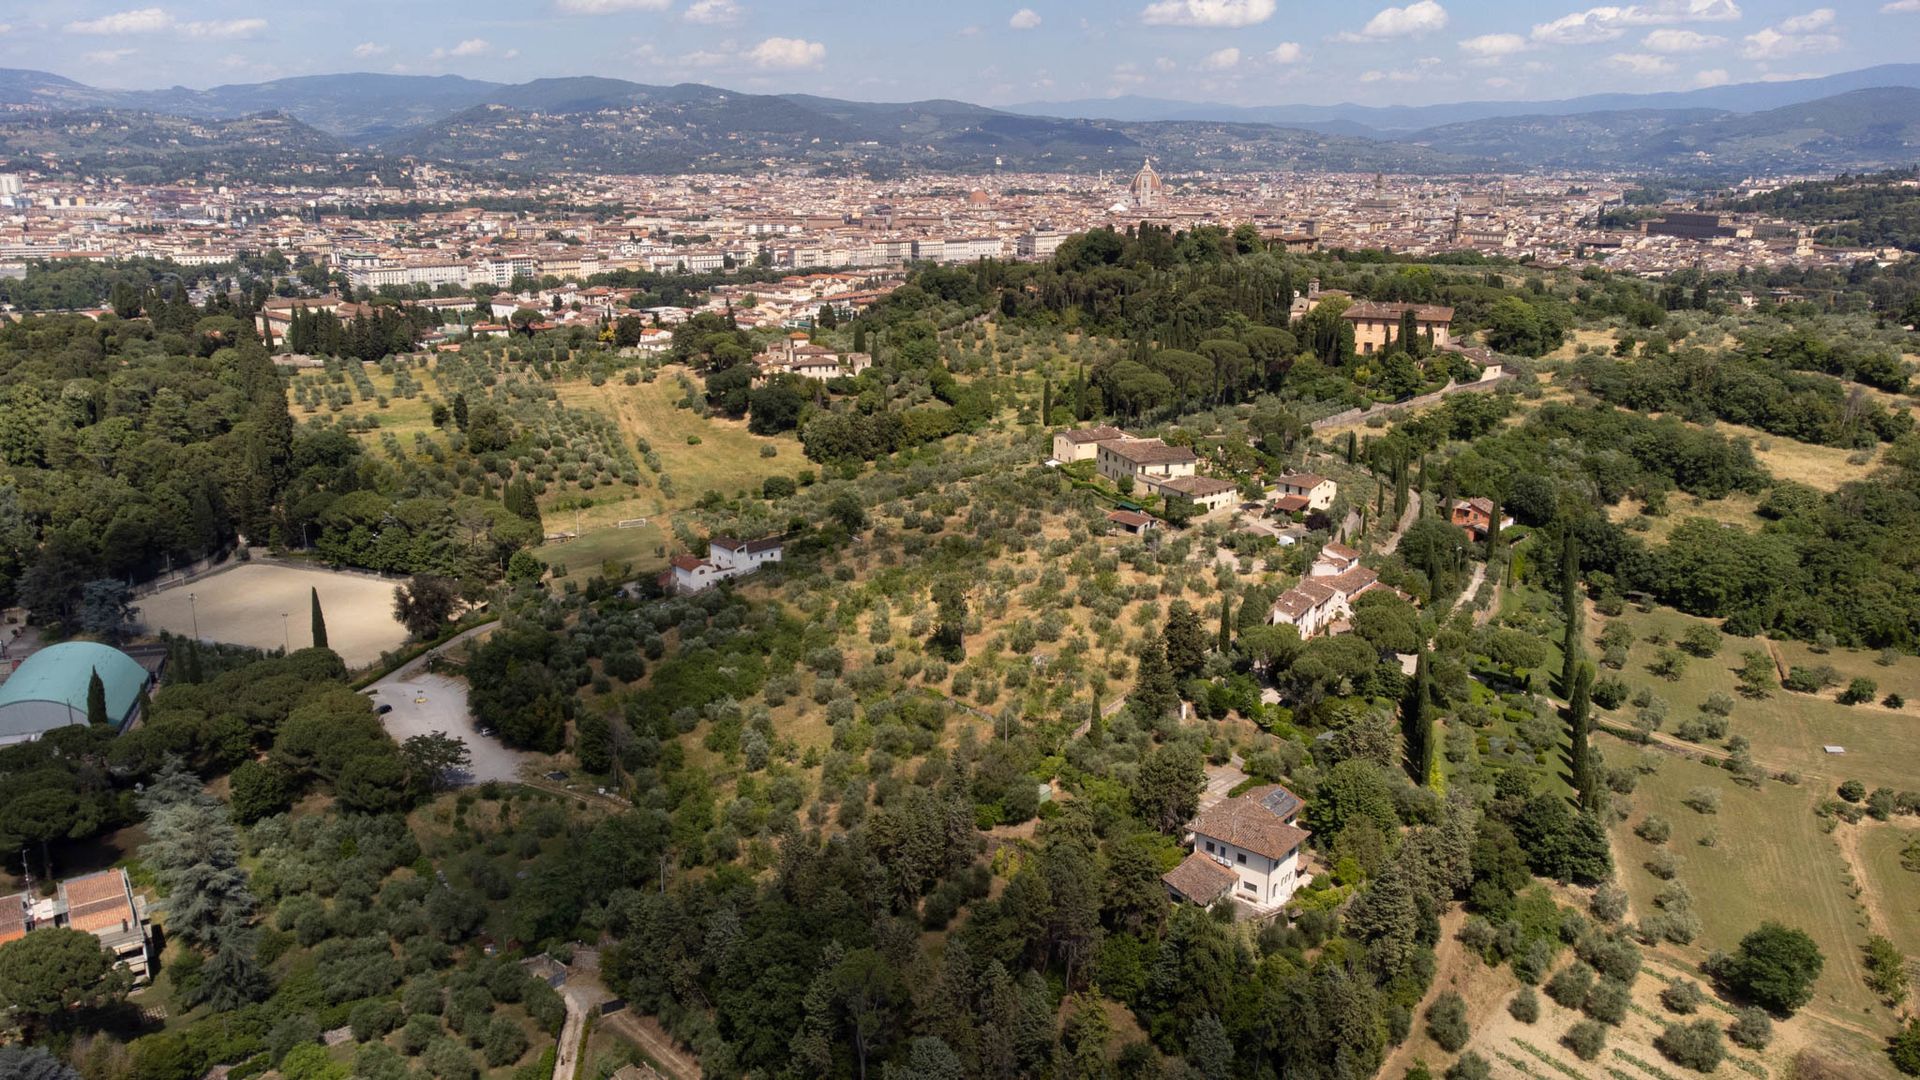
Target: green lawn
[1897, 887]
[1788, 730]
[727, 458]
[1771, 861]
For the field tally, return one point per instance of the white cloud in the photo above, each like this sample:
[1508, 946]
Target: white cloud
[1397, 75]
[608, 7]
[142, 21]
[1712, 77]
[1791, 37]
[1900, 7]
[1642, 63]
[787, 53]
[706, 58]
[1493, 45]
[1806, 24]
[368, 48]
[1608, 23]
[1221, 60]
[1164, 63]
[159, 20]
[1420, 17]
[231, 28]
[1499, 82]
[1287, 52]
[107, 56]
[465, 50]
[1680, 41]
[1214, 13]
[713, 12]
[1024, 19]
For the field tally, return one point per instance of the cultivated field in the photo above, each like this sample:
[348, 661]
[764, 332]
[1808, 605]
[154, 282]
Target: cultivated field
[243, 606]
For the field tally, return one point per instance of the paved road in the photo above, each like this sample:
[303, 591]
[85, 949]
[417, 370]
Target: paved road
[1222, 779]
[423, 703]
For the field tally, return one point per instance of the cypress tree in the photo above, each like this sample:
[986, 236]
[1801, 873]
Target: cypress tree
[1579, 725]
[1225, 642]
[1570, 602]
[319, 620]
[96, 699]
[193, 661]
[1046, 401]
[1416, 722]
[1353, 440]
[1493, 527]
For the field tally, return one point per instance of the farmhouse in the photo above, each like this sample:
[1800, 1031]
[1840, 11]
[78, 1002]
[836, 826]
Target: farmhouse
[726, 558]
[1247, 848]
[1323, 601]
[1082, 444]
[1130, 521]
[1145, 460]
[795, 355]
[49, 689]
[1203, 493]
[1475, 515]
[1317, 490]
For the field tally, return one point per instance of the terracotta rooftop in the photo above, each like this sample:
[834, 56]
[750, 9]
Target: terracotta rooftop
[101, 901]
[1093, 434]
[1247, 823]
[688, 563]
[13, 917]
[1152, 452]
[1200, 879]
[1367, 309]
[1198, 487]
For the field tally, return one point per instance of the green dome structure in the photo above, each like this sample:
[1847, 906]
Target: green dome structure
[49, 689]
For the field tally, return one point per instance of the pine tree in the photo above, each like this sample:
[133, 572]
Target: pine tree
[96, 699]
[1579, 723]
[1416, 722]
[319, 620]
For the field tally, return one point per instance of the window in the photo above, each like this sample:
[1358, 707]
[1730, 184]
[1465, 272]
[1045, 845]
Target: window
[1243, 858]
[1251, 887]
[1209, 847]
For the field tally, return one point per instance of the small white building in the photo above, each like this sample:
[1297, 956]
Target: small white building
[1248, 848]
[1323, 600]
[1203, 493]
[1316, 489]
[726, 558]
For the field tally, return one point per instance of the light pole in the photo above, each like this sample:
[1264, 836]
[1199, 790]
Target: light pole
[195, 609]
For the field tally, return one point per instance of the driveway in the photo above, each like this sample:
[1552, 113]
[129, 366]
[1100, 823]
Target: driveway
[424, 703]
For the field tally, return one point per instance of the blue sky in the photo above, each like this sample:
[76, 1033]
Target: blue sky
[1239, 51]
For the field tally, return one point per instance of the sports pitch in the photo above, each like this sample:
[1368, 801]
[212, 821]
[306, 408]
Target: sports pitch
[243, 606]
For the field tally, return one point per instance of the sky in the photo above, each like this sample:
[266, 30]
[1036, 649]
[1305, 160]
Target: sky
[1246, 52]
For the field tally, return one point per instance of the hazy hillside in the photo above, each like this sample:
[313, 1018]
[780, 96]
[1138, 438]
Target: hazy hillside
[1862, 129]
[142, 145]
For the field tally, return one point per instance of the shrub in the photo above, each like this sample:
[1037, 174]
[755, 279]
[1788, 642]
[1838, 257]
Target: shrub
[1774, 967]
[1701, 640]
[1609, 693]
[1607, 1001]
[1447, 1021]
[1654, 829]
[1751, 1028]
[1853, 791]
[1570, 985]
[1525, 1006]
[1703, 800]
[1609, 903]
[1695, 1045]
[1683, 996]
[1861, 689]
[1586, 1039]
[1471, 1066]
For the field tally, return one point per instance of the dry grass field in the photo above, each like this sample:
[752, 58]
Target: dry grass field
[243, 606]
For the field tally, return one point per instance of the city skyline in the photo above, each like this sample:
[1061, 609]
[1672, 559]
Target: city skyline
[1241, 52]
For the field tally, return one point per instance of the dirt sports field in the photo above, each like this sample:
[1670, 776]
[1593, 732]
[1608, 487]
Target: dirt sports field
[242, 606]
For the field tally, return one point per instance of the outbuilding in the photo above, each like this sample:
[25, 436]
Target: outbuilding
[49, 689]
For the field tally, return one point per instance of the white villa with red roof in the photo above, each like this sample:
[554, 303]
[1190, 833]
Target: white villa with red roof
[1323, 601]
[1248, 848]
[726, 558]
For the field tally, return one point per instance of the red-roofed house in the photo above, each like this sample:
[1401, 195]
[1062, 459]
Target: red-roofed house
[1255, 840]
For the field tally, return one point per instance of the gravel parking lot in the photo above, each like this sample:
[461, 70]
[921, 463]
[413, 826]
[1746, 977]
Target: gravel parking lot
[424, 703]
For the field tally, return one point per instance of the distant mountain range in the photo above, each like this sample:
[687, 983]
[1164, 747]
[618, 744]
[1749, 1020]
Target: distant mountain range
[1862, 119]
[1375, 121]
